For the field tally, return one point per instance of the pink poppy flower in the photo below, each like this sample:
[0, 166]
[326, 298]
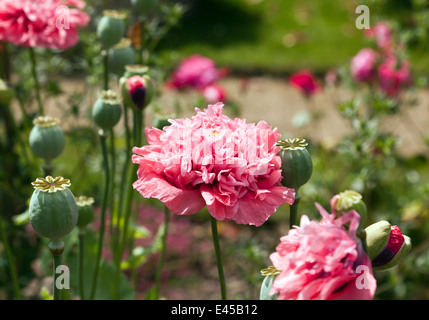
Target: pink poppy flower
[305, 82]
[214, 93]
[393, 77]
[323, 261]
[230, 166]
[363, 65]
[42, 23]
[195, 72]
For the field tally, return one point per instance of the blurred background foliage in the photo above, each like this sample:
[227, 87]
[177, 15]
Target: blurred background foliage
[250, 37]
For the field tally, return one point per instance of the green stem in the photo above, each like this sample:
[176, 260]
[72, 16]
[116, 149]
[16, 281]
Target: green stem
[10, 261]
[36, 80]
[124, 169]
[162, 254]
[6, 61]
[57, 262]
[81, 254]
[294, 210]
[140, 59]
[57, 248]
[112, 150]
[103, 212]
[105, 56]
[137, 135]
[216, 244]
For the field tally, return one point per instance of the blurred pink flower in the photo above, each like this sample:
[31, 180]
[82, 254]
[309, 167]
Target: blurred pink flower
[195, 72]
[42, 23]
[331, 77]
[214, 93]
[382, 34]
[305, 82]
[323, 261]
[394, 76]
[363, 65]
[230, 166]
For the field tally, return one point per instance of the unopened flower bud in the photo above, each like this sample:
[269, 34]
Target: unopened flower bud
[137, 91]
[111, 28]
[53, 210]
[6, 93]
[144, 7]
[386, 245]
[347, 201]
[120, 55]
[85, 210]
[297, 166]
[47, 140]
[107, 111]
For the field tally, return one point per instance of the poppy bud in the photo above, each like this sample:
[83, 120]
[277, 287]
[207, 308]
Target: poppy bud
[85, 211]
[47, 140]
[144, 6]
[111, 28]
[6, 93]
[297, 165]
[386, 245]
[107, 111]
[137, 90]
[120, 55]
[347, 201]
[53, 210]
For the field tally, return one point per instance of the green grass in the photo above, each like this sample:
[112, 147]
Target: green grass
[275, 36]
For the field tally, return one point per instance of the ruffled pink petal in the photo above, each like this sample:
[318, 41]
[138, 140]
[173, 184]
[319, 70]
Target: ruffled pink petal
[180, 201]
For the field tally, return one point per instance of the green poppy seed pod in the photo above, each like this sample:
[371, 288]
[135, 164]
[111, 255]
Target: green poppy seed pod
[111, 28]
[47, 140]
[347, 201]
[6, 93]
[386, 245]
[144, 7]
[297, 166]
[107, 111]
[53, 210]
[121, 55]
[85, 210]
[270, 275]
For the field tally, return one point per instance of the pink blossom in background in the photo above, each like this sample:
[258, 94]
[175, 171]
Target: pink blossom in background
[305, 82]
[214, 93]
[323, 261]
[42, 23]
[363, 65]
[393, 77]
[382, 33]
[230, 166]
[195, 72]
[331, 77]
